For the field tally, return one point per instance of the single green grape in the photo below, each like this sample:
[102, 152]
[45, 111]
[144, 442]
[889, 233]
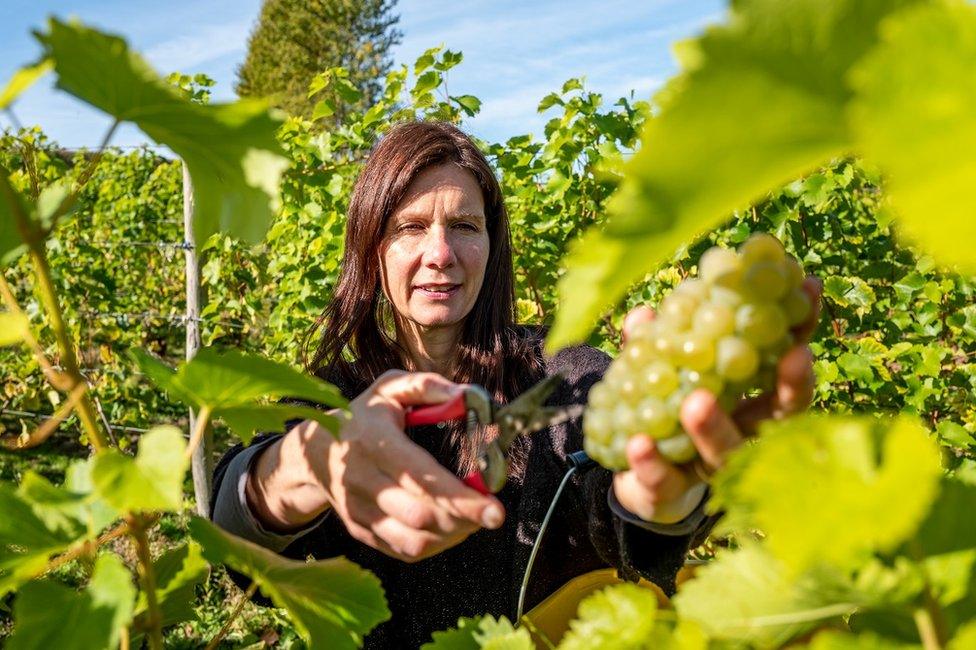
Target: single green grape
[766, 280]
[693, 288]
[796, 306]
[678, 449]
[659, 379]
[693, 380]
[696, 352]
[601, 396]
[676, 311]
[654, 419]
[720, 267]
[624, 420]
[762, 247]
[760, 323]
[736, 359]
[714, 320]
[639, 352]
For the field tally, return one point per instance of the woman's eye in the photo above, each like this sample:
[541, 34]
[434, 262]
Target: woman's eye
[408, 227]
[464, 225]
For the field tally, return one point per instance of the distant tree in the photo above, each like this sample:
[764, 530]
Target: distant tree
[294, 40]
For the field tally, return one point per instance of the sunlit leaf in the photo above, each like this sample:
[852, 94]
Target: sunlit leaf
[617, 617]
[232, 378]
[853, 469]
[485, 632]
[31, 533]
[914, 117]
[777, 70]
[12, 244]
[230, 383]
[333, 603]
[49, 615]
[13, 328]
[153, 480]
[230, 149]
[177, 572]
[22, 80]
[834, 640]
[246, 421]
[747, 595]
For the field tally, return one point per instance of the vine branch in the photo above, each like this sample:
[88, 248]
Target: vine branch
[32, 235]
[154, 616]
[246, 596]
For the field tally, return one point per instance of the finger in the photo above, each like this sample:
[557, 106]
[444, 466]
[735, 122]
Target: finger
[794, 381]
[711, 429]
[653, 471]
[416, 388]
[414, 469]
[635, 317]
[409, 509]
[359, 515]
[793, 393]
[814, 290]
[407, 543]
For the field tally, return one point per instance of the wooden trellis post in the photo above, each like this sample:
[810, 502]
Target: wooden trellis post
[201, 463]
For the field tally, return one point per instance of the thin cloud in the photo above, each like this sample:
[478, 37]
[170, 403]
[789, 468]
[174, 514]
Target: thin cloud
[191, 51]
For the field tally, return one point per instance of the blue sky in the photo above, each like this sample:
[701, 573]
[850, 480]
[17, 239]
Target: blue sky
[514, 52]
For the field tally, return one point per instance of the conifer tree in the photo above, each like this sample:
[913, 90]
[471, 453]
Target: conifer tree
[294, 40]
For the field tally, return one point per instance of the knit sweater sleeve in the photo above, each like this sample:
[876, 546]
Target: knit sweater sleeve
[634, 551]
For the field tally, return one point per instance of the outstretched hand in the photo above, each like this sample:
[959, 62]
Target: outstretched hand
[656, 489]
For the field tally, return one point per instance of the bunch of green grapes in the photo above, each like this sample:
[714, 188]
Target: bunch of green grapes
[724, 331]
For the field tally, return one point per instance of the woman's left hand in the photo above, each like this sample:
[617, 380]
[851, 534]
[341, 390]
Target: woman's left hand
[655, 489]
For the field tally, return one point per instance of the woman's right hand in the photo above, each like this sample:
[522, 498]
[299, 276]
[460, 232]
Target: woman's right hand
[389, 492]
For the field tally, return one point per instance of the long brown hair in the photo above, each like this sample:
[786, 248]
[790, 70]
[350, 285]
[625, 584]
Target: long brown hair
[357, 345]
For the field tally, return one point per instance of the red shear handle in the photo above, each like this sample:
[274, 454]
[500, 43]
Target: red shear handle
[475, 481]
[455, 409]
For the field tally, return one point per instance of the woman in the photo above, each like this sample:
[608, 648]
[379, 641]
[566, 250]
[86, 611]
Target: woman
[425, 302]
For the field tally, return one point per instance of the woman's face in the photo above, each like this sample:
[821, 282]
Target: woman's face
[435, 248]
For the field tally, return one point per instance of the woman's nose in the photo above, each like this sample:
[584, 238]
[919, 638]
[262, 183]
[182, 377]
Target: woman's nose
[438, 251]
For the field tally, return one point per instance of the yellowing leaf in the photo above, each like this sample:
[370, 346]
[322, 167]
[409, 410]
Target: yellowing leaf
[852, 470]
[914, 117]
[13, 328]
[22, 80]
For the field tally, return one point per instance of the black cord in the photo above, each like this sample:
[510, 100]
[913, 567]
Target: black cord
[578, 461]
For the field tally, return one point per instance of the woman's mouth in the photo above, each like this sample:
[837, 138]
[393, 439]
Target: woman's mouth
[438, 291]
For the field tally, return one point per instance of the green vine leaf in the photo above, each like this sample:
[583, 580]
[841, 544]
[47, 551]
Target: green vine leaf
[49, 615]
[615, 618]
[481, 633]
[230, 383]
[22, 80]
[833, 640]
[913, 116]
[333, 603]
[747, 595]
[853, 469]
[230, 149]
[778, 72]
[153, 480]
[178, 571]
[12, 244]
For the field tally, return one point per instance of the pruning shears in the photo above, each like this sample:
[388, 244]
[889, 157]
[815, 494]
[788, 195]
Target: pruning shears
[523, 415]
